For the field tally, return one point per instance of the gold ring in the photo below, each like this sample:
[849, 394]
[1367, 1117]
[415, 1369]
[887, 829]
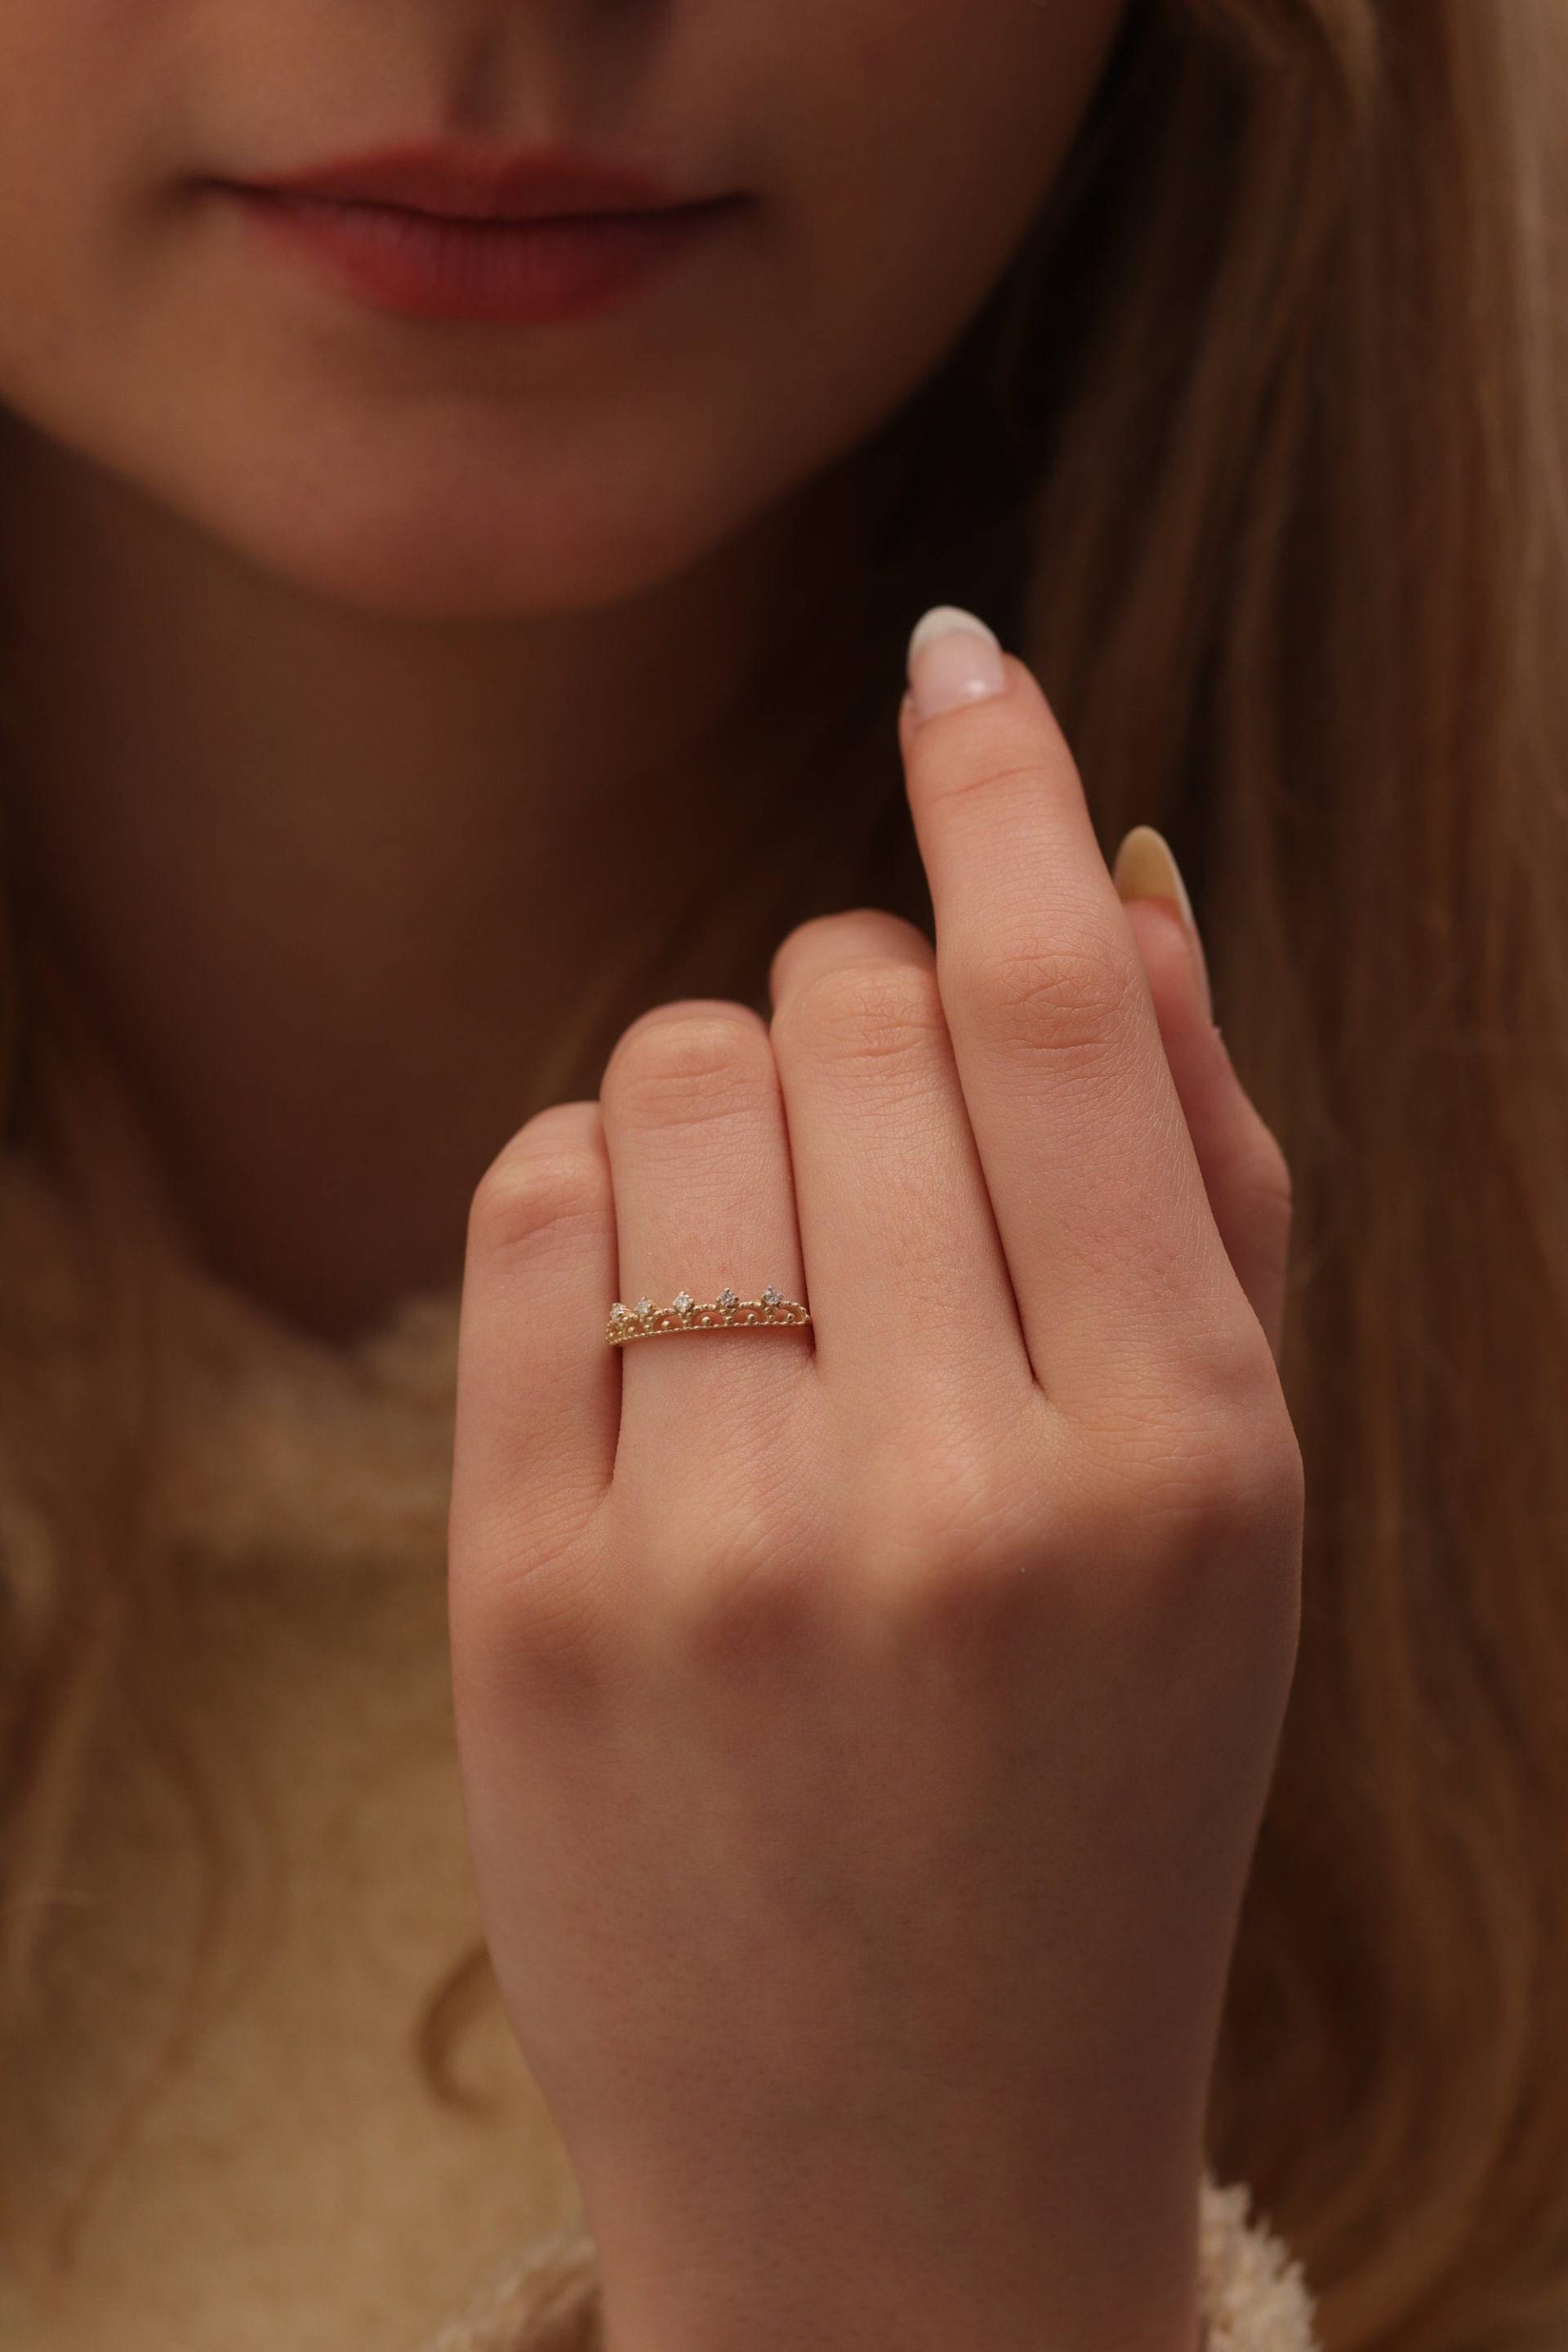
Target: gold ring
[725, 1313]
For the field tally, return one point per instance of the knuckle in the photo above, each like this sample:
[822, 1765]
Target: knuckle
[952, 1525]
[1275, 1494]
[1070, 989]
[869, 1009]
[530, 1622]
[1209, 1367]
[1223, 1476]
[966, 1589]
[1231, 1373]
[1188, 1549]
[1272, 1182]
[731, 1564]
[1186, 1480]
[536, 1195]
[689, 1065]
[971, 1602]
[747, 1591]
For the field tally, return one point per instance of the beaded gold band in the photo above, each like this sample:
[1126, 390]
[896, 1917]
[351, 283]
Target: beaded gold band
[725, 1313]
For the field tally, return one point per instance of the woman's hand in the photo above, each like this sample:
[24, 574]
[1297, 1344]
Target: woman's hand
[865, 1730]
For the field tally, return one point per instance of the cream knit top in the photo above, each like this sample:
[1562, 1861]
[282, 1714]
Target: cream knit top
[289, 2181]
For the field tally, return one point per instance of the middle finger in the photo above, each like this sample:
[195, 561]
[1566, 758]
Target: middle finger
[897, 1230]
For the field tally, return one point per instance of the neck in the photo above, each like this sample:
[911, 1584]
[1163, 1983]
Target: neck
[347, 897]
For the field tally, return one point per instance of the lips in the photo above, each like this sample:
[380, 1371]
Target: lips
[465, 185]
[521, 240]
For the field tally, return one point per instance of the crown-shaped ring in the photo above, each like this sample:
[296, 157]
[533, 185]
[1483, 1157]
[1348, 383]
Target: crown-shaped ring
[684, 1313]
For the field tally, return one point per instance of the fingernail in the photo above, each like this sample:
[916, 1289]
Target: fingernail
[1146, 868]
[953, 657]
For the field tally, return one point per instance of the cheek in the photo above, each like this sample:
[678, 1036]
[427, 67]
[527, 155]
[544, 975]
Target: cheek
[913, 151]
[83, 90]
[924, 136]
[77, 71]
[92, 96]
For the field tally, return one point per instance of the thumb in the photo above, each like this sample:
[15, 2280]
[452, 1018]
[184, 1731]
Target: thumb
[1243, 1169]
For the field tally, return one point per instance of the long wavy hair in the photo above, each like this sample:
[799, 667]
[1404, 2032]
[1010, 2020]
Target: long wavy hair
[1256, 454]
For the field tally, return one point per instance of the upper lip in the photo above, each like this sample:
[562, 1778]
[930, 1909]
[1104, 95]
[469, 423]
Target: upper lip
[468, 184]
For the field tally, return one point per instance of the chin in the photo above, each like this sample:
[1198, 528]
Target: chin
[470, 549]
[402, 571]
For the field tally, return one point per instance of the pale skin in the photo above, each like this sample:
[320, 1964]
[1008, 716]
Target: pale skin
[906, 1700]
[865, 1730]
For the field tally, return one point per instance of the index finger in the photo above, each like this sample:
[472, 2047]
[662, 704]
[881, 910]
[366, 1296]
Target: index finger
[1117, 1263]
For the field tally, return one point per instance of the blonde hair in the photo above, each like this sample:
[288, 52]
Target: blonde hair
[1257, 456]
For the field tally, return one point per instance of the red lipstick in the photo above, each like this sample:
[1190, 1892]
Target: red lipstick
[448, 233]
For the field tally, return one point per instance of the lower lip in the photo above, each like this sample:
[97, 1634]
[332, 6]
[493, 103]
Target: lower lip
[517, 273]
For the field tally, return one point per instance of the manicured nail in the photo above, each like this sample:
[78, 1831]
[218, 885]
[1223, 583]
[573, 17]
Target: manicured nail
[953, 657]
[1146, 868]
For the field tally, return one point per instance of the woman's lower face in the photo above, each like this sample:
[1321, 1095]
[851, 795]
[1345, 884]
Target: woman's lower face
[486, 420]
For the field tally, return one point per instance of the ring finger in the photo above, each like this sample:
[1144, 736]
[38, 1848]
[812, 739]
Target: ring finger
[700, 1162]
